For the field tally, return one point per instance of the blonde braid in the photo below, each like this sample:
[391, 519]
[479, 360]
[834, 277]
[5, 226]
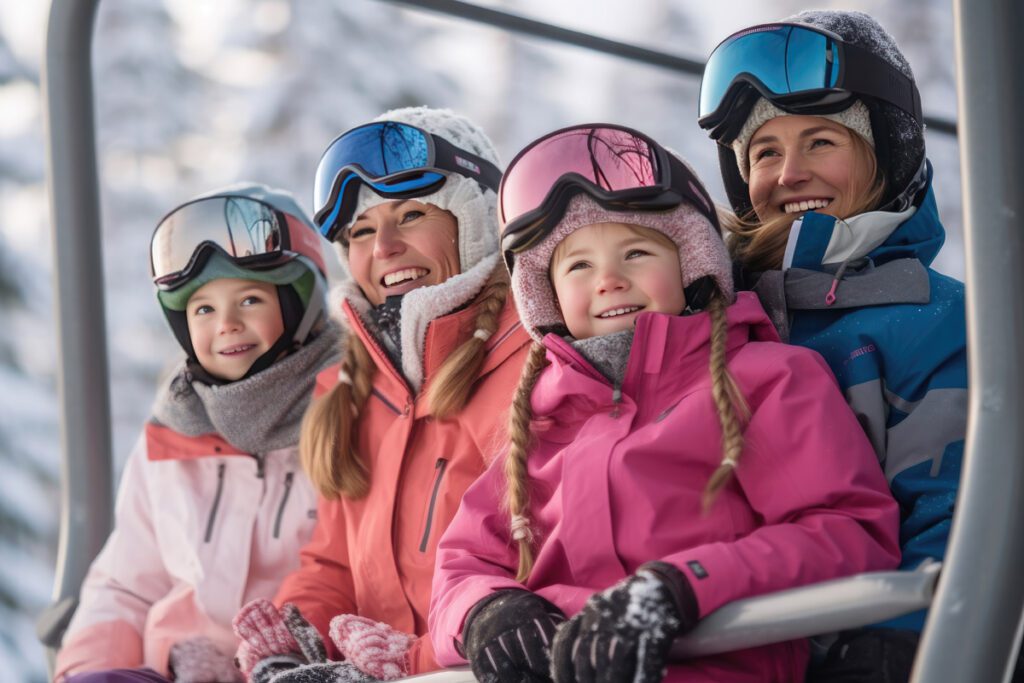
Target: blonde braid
[518, 494]
[449, 389]
[327, 440]
[729, 402]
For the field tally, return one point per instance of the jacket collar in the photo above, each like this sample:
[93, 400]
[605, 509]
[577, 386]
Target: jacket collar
[667, 350]
[917, 233]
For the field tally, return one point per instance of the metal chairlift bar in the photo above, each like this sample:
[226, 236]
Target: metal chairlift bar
[539, 29]
[86, 486]
[973, 623]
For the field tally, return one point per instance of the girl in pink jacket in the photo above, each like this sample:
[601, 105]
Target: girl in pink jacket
[213, 506]
[666, 454]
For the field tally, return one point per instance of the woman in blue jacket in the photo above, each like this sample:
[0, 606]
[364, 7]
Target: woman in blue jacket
[821, 147]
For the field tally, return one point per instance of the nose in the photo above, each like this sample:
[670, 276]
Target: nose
[229, 322]
[795, 170]
[388, 241]
[611, 279]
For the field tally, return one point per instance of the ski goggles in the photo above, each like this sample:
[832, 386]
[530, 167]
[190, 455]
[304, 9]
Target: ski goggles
[622, 169]
[800, 69]
[252, 233]
[396, 160]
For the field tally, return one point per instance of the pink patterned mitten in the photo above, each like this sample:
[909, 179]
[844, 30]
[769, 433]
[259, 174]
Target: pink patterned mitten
[264, 633]
[372, 646]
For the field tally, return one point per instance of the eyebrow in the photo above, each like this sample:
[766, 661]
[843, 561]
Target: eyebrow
[764, 139]
[362, 216]
[582, 249]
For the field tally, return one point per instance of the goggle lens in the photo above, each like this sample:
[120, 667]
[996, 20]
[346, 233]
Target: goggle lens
[609, 158]
[241, 227]
[378, 149]
[785, 59]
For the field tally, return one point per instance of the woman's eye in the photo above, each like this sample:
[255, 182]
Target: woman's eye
[820, 142]
[765, 152]
[409, 216]
[357, 232]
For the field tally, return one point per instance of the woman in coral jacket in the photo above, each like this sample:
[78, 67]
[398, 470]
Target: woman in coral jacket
[213, 506]
[403, 426]
[666, 454]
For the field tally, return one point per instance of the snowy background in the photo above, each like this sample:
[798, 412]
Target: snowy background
[191, 96]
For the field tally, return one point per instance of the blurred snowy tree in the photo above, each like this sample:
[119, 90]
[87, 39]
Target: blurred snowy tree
[326, 66]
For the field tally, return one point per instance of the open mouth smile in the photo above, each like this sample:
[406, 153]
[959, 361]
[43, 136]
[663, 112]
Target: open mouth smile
[616, 312]
[403, 276]
[237, 350]
[805, 205]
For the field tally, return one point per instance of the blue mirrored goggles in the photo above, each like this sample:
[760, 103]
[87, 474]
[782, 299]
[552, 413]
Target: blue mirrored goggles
[800, 69]
[395, 160]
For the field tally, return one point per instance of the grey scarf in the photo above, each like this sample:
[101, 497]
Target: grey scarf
[258, 414]
[609, 353]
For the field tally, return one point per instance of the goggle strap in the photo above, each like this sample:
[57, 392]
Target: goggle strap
[867, 73]
[448, 157]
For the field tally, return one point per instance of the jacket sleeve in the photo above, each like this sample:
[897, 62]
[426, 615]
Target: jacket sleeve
[124, 581]
[475, 557]
[810, 475]
[926, 422]
[322, 586]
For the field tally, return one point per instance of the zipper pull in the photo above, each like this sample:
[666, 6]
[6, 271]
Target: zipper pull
[616, 400]
[830, 298]
[260, 462]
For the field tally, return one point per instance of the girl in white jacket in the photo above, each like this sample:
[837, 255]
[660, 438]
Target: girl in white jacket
[213, 506]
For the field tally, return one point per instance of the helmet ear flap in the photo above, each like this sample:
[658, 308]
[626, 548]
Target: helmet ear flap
[736, 189]
[179, 326]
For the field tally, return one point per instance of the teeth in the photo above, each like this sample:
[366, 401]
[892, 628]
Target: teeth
[237, 349]
[806, 205]
[403, 275]
[619, 311]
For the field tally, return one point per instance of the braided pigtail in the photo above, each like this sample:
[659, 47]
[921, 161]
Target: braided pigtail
[327, 441]
[449, 389]
[729, 402]
[518, 494]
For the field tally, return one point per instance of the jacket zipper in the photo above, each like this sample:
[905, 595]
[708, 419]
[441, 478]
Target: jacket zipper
[439, 468]
[216, 503]
[284, 501]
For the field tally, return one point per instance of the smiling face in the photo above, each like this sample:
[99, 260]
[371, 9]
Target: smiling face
[606, 274]
[807, 163]
[399, 246]
[232, 323]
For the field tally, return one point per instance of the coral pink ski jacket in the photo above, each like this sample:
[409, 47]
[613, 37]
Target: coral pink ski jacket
[614, 488]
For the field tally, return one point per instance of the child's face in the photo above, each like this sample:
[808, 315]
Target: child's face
[232, 323]
[399, 246]
[606, 274]
[801, 163]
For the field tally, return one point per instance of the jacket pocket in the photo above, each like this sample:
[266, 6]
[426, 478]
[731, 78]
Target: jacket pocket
[284, 501]
[212, 517]
[439, 468]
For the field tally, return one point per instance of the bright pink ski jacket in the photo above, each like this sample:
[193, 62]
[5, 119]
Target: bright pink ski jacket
[612, 489]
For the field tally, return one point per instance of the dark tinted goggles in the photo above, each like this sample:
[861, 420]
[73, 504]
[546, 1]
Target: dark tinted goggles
[396, 160]
[622, 169]
[799, 68]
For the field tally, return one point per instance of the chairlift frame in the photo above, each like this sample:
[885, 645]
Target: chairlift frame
[975, 622]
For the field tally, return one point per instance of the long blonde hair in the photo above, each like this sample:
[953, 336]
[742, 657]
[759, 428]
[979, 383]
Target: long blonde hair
[730, 406]
[761, 245]
[329, 435]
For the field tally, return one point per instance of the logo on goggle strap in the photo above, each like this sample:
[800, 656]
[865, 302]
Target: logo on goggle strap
[467, 164]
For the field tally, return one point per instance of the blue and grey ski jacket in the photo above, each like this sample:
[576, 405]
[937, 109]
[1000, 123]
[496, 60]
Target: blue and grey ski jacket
[895, 337]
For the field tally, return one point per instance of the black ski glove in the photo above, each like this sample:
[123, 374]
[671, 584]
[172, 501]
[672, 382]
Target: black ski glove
[324, 672]
[508, 637]
[625, 632]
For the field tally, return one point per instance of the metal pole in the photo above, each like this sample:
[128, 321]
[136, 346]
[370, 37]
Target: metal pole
[86, 486]
[972, 627]
[539, 29]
